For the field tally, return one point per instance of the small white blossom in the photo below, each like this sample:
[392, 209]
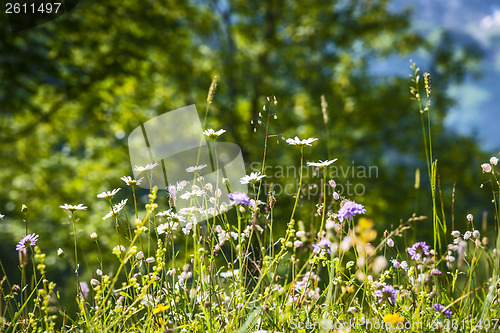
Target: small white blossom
[321, 164]
[71, 208]
[297, 142]
[230, 273]
[162, 228]
[470, 217]
[93, 236]
[252, 178]
[493, 160]
[132, 182]
[456, 233]
[467, 235]
[108, 194]
[60, 252]
[214, 134]
[476, 234]
[145, 168]
[196, 168]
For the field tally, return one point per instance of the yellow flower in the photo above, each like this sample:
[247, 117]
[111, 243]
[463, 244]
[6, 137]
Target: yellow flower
[160, 308]
[393, 318]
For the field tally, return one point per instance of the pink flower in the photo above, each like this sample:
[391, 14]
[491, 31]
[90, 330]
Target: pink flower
[486, 167]
[390, 242]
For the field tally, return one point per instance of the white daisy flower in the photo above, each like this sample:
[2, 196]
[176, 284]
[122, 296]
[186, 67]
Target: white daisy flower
[297, 142]
[196, 168]
[173, 216]
[116, 209]
[194, 193]
[230, 273]
[145, 168]
[71, 208]
[321, 164]
[108, 194]
[132, 182]
[252, 178]
[162, 228]
[214, 134]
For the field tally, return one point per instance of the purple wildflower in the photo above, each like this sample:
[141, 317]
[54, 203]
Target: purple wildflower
[28, 240]
[239, 198]
[350, 209]
[442, 308]
[436, 272]
[387, 293]
[417, 249]
[322, 246]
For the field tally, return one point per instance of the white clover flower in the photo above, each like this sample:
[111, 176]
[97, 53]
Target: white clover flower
[493, 160]
[467, 235]
[252, 178]
[476, 233]
[486, 167]
[108, 194]
[214, 134]
[297, 142]
[456, 233]
[321, 164]
[71, 208]
[145, 168]
[132, 182]
[196, 168]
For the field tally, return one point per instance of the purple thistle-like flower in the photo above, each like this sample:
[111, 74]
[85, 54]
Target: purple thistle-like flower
[350, 209]
[387, 293]
[418, 249]
[239, 198]
[442, 308]
[28, 240]
[322, 246]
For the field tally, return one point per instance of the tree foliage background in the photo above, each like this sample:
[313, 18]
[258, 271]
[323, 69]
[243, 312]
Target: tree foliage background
[71, 90]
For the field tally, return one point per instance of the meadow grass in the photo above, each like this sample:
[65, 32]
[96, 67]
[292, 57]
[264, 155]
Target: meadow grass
[214, 267]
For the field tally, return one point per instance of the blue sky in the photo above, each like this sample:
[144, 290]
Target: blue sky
[477, 111]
